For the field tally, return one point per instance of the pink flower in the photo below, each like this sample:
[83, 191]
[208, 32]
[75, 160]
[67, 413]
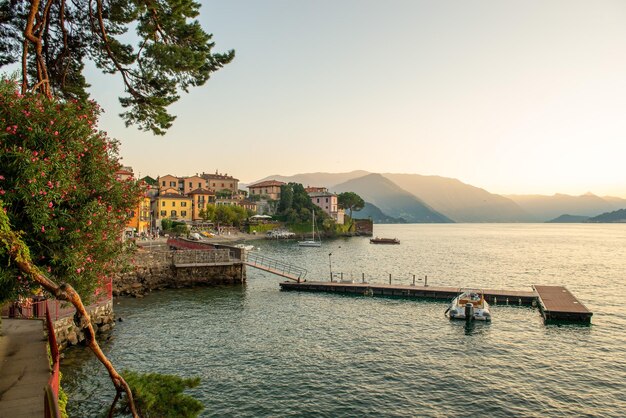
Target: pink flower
[43, 228]
[50, 204]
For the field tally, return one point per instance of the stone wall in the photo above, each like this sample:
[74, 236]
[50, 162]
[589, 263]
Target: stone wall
[68, 333]
[155, 270]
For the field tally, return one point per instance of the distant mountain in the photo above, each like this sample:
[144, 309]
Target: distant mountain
[460, 201]
[543, 208]
[391, 199]
[376, 215]
[618, 216]
[568, 219]
[452, 199]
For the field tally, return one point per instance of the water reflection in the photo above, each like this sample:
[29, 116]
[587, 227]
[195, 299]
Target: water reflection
[263, 352]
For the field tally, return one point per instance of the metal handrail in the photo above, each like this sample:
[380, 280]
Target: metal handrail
[277, 265]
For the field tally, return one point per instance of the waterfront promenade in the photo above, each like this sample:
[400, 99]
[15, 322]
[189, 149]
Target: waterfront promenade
[24, 368]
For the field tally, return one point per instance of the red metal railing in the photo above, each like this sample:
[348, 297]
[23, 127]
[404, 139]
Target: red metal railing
[51, 399]
[57, 309]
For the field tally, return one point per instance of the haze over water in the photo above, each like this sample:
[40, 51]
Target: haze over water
[262, 352]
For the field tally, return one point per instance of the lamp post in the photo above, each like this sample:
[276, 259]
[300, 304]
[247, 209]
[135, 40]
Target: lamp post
[330, 266]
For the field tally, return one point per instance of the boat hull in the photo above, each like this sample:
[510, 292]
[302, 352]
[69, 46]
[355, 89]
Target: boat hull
[461, 308]
[388, 241]
[309, 244]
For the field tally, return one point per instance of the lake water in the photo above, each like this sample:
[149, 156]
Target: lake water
[263, 352]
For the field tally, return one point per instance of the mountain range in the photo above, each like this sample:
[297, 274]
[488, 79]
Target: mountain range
[417, 198]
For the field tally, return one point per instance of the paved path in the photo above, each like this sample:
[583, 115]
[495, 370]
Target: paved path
[24, 368]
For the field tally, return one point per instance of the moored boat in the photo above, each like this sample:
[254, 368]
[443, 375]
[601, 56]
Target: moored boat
[469, 305]
[384, 240]
[312, 242]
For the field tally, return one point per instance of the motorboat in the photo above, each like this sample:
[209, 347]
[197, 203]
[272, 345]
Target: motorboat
[247, 247]
[469, 304]
[384, 240]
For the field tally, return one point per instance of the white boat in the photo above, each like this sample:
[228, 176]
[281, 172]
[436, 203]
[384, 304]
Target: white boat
[247, 247]
[469, 304]
[311, 242]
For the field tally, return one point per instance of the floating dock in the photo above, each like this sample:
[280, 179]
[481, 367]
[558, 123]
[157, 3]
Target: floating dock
[561, 308]
[556, 303]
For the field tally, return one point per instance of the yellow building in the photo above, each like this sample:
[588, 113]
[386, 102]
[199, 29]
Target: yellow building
[171, 206]
[139, 220]
[200, 197]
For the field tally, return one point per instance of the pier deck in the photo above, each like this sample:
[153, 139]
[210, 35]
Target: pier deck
[555, 302]
[516, 297]
[558, 304]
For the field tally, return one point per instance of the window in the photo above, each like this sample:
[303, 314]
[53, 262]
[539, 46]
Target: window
[222, 184]
[163, 203]
[318, 200]
[183, 213]
[163, 213]
[173, 204]
[326, 200]
[183, 204]
[173, 213]
[199, 185]
[190, 185]
[163, 183]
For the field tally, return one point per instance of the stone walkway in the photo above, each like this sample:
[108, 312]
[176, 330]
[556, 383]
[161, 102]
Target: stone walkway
[24, 368]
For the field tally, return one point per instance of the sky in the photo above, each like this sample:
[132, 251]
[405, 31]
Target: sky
[516, 97]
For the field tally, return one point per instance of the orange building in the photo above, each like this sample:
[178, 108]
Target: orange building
[200, 198]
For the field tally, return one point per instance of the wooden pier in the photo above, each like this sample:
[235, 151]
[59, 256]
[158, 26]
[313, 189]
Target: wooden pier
[556, 303]
[562, 308]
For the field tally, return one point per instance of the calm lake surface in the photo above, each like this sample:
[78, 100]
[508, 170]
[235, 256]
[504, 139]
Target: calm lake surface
[263, 352]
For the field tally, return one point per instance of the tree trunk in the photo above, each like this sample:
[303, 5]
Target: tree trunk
[18, 252]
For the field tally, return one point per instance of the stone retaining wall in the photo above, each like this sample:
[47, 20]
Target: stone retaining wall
[155, 270]
[68, 333]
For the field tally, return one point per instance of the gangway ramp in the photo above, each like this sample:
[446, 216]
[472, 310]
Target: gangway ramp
[280, 268]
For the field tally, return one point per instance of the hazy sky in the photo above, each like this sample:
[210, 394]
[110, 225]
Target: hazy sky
[511, 96]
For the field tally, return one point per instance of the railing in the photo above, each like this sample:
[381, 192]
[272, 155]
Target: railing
[51, 399]
[275, 266]
[57, 309]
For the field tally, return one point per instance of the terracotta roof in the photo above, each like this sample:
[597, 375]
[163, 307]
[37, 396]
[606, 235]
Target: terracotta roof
[267, 183]
[202, 191]
[321, 194]
[217, 177]
[173, 196]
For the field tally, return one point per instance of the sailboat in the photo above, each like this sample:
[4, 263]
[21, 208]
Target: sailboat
[311, 242]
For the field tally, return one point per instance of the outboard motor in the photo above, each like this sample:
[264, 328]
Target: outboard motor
[469, 312]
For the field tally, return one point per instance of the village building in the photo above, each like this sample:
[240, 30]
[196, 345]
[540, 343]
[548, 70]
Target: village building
[192, 183]
[171, 206]
[269, 189]
[220, 182]
[200, 198]
[139, 221]
[167, 182]
[321, 197]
